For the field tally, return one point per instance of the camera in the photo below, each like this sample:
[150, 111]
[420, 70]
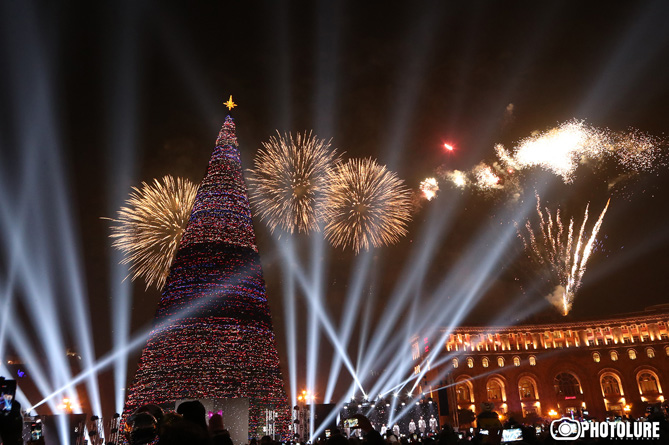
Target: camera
[565, 429]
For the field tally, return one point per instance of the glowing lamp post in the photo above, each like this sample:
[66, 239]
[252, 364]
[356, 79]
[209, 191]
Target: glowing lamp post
[66, 406]
[306, 397]
[302, 413]
[553, 413]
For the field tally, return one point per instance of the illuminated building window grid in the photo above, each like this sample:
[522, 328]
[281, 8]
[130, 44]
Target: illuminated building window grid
[566, 384]
[632, 333]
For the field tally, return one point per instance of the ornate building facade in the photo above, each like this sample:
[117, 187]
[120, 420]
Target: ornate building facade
[600, 368]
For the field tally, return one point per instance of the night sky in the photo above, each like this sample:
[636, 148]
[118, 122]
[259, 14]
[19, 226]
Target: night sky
[134, 91]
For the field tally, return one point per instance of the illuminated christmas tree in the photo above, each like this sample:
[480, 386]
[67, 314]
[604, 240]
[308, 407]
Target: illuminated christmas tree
[213, 335]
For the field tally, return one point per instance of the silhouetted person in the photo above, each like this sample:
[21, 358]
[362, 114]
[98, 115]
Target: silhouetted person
[217, 432]
[488, 421]
[11, 421]
[194, 412]
[141, 428]
[182, 432]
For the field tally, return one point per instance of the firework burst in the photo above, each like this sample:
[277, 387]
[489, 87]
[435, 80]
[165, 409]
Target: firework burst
[561, 150]
[429, 188]
[288, 181]
[366, 205]
[150, 225]
[565, 252]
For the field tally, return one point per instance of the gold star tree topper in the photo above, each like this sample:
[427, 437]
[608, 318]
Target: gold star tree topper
[230, 104]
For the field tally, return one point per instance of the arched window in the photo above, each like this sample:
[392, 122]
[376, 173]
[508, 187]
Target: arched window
[485, 362]
[516, 361]
[533, 360]
[527, 389]
[566, 385]
[455, 362]
[470, 362]
[500, 362]
[648, 383]
[596, 357]
[650, 352]
[614, 356]
[495, 390]
[463, 394]
[666, 350]
[632, 354]
[610, 385]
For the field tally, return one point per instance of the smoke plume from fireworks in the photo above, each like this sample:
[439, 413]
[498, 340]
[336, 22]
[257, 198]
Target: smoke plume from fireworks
[150, 225]
[562, 250]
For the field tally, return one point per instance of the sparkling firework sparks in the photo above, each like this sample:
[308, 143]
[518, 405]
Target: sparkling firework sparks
[288, 181]
[429, 187]
[366, 205]
[458, 178]
[561, 150]
[485, 178]
[565, 252]
[150, 225]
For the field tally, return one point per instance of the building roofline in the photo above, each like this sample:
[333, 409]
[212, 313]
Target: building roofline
[649, 315]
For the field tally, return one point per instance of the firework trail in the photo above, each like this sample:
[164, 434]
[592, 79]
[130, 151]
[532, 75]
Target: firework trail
[288, 181]
[150, 225]
[366, 205]
[429, 188]
[563, 251]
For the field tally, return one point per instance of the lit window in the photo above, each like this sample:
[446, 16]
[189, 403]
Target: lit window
[485, 362]
[470, 362]
[632, 354]
[533, 360]
[516, 361]
[648, 383]
[614, 356]
[500, 362]
[527, 389]
[416, 369]
[495, 390]
[650, 352]
[455, 362]
[596, 357]
[610, 385]
[566, 385]
[462, 393]
[666, 350]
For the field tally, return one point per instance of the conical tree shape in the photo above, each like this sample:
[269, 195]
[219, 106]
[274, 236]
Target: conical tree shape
[213, 335]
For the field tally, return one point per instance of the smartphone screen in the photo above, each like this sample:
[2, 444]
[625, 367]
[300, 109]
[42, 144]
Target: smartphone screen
[351, 423]
[512, 434]
[36, 431]
[7, 391]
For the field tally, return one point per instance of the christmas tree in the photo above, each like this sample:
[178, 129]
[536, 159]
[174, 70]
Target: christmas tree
[213, 335]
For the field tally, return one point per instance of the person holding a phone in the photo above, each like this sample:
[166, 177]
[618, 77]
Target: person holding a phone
[369, 435]
[11, 421]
